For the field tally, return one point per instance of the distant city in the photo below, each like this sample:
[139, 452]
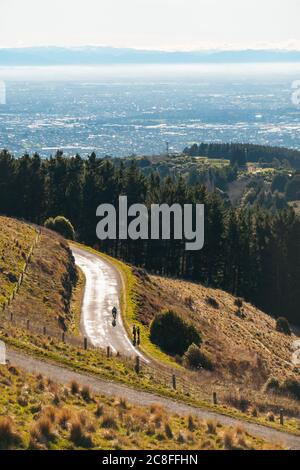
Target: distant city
[137, 109]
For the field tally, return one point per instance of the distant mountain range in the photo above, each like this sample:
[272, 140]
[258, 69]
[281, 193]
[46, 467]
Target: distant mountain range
[92, 55]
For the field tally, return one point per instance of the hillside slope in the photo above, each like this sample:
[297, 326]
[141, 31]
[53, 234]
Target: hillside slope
[49, 274]
[241, 340]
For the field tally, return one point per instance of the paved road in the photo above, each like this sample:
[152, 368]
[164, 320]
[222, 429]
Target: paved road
[102, 293]
[64, 376]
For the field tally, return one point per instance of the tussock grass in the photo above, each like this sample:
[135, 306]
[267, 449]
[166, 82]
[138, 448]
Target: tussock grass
[79, 436]
[211, 426]
[101, 424]
[9, 437]
[86, 394]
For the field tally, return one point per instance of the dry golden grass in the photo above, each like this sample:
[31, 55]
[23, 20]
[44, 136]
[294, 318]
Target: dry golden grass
[105, 423]
[241, 341]
[9, 437]
[45, 293]
[16, 240]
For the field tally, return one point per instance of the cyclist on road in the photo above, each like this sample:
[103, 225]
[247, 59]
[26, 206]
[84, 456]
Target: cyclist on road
[114, 312]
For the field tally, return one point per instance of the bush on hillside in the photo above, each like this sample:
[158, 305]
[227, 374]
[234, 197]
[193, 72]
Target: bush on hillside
[291, 387]
[194, 358]
[172, 334]
[238, 302]
[62, 226]
[212, 302]
[272, 385]
[282, 325]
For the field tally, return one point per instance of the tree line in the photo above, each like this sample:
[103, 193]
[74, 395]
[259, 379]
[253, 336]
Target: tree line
[241, 153]
[248, 251]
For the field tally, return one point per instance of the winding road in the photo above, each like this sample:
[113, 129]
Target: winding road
[102, 292]
[103, 287]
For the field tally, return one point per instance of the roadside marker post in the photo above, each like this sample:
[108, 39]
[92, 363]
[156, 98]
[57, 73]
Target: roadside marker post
[281, 417]
[137, 364]
[174, 381]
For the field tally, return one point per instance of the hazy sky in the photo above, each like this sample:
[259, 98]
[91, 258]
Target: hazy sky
[159, 24]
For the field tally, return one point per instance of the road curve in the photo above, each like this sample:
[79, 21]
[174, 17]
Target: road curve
[100, 386]
[102, 293]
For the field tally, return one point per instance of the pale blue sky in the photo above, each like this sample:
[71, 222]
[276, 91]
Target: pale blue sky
[158, 24]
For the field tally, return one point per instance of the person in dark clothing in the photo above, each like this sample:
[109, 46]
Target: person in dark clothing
[134, 335]
[138, 335]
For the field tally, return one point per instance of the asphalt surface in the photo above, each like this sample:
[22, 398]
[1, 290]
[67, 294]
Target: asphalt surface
[102, 294]
[100, 386]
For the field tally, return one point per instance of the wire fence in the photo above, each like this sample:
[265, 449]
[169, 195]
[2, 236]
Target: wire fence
[187, 383]
[19, 282]
[157, 373]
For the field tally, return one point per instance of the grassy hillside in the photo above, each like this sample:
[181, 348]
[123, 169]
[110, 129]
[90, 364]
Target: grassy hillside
[16, 240]
[47, 283]
[240, 340]
[36, 413]
[245, 348]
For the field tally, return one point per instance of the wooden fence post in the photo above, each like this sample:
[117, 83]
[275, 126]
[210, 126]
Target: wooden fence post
[137, 364]
[108, 351]
[215, 401]
[85, 343]
[281, 417]
[63, 337]
[28, 324]
[174, 381]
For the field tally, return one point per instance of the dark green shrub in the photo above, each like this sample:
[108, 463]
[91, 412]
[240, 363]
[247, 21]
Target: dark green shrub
[238, 302]
[212, 302]
[240, 313]
[291, 387]
[272, 385]
[172, 334]
[62, 226]
[194, 358]
[282, 325]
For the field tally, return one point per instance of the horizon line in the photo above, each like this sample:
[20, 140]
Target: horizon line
[206, 49]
